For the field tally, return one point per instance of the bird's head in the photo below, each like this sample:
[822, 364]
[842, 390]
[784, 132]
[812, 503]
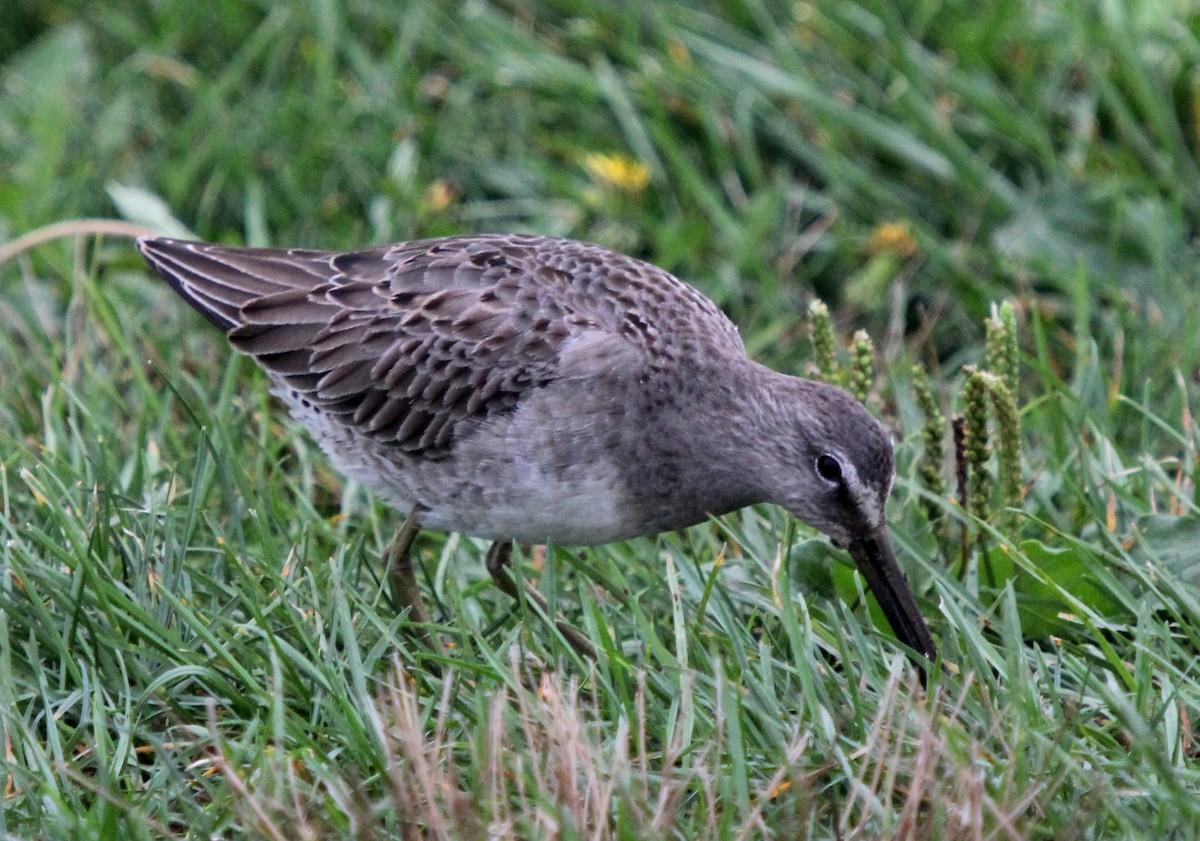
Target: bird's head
[835, 472]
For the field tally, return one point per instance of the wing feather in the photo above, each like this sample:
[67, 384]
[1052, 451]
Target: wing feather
[412, 343]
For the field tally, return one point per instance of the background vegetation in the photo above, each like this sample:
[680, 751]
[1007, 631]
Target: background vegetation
[194, 638]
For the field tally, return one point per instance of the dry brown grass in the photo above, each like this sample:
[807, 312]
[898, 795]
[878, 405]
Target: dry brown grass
[544, 768]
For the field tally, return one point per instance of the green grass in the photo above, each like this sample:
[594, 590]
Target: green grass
[195, 640]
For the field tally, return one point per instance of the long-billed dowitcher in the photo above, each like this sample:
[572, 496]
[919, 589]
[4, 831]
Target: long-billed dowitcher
[523, 388]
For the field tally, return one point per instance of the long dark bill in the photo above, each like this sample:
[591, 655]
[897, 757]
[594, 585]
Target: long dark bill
[877, 563]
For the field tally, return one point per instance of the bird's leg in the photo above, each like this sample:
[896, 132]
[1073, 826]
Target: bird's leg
[498, 560]
[397, 558]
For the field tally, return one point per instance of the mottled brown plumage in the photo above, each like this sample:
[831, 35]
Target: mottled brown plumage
[537, 389]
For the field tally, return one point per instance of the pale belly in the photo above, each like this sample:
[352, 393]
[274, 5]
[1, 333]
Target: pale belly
[499, 488]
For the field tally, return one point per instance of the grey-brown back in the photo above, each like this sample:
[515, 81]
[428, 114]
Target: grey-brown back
[406, 342]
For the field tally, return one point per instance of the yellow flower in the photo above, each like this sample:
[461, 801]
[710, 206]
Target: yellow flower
[438, 195]
[618, 171]
[893, 237]
[679, 53]
[777, 790]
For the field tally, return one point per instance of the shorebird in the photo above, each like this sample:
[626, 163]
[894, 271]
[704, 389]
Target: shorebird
[524, 388]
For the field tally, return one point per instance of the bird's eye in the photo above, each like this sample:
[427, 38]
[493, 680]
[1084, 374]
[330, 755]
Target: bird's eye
[829, 468]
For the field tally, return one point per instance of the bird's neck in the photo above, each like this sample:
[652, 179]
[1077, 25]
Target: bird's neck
[722, 461]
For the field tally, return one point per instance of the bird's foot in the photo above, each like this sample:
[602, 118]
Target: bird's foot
[397, 559]
[498, 560]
